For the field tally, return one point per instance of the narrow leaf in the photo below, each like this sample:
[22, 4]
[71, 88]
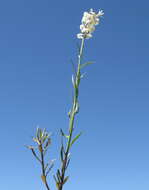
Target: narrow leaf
[75, 139]
[85, 64]
[67, 163]
[65, 180]
[49, 169]
[62, 152]
[73, 81]
[35, 155]
[62, 133]
[58, 175]
[55, 178]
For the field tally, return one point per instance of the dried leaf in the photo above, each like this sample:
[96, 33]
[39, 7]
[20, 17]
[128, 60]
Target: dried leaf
[43, 179]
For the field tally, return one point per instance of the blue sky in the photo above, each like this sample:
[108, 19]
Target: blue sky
[37, 42]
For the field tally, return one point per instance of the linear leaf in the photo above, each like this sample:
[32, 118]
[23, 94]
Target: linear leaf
[65, 180]
[75, 139]
[85, 64]
[63, 134]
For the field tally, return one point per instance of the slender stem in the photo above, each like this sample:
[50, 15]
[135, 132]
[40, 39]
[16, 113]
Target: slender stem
[43, 167]
[72, 115]
[81, 51]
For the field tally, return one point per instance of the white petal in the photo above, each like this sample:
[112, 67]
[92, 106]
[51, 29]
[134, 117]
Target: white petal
[88, 36]
[100, 13]
[91, 29]
[80, 36]
[81, 26]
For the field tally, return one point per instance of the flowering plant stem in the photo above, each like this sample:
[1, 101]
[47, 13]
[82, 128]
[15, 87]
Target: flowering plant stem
[44, 176]
[42, 139]
[74, 110]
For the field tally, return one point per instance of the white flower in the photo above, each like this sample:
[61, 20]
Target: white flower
[80, 36]
[88, 36]
[89, 21]
[100, 13]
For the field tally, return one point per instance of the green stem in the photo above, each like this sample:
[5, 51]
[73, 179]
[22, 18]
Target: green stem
[72, 115]
[77, 79]
[81, 51]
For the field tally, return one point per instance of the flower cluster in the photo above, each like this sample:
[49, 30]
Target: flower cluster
[89, 21]
[41, 137]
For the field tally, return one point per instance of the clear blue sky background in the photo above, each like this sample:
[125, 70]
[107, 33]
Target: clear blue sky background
[37, 42]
